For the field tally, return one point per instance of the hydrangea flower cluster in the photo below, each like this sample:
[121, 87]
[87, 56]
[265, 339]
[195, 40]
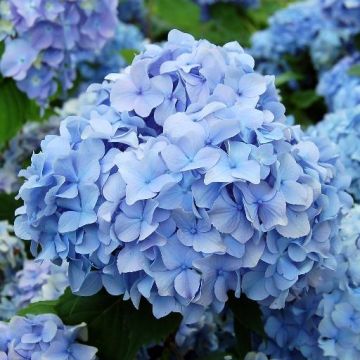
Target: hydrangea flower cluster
[324, 41]
[35, 282]
[184, 182]
[11, 252]
[43, 337]
[344, 13]
[212, 333]
[340, 89]
[46, 36]
[94, 67]
[324, 322]
[343, 128]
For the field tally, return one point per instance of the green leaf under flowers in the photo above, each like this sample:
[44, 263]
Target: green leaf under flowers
[354, 70]
[115, 327]
[304, 99]
[129, 54]
[286, 77]
[247, 320]
[15, 110]
[8, 206]
[41, 307]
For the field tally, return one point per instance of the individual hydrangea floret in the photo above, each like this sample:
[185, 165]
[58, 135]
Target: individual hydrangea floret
[184, 182]
[40, 55]
[12, 252]
[340, 89]
[343, 128]
[256, 356]
[35, 282]
[43, 337]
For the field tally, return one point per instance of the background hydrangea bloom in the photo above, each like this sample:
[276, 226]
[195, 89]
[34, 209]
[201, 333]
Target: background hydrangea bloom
[343, 127]
[340, 89]
[94, 67]
[345, 13]
[184, 182]
[34, 282]
[11, 252]
[47, 36]
[43, 336]
[320, 36]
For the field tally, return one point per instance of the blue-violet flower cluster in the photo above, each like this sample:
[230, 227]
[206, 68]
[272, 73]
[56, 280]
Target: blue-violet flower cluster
[34, 282]
[185, 182]
[43, 337]
[41, 50]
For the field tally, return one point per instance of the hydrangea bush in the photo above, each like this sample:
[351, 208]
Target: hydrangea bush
[43, 337]
[343, 127]
[43, 39]
[184, 182]
[340, 89]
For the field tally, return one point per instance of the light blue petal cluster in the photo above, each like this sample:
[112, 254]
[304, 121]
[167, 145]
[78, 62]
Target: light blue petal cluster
[34, 282]
[343, 128]
[340, 89]
[12, 252]
[323, 323]
[184, 182]
[43, 337]
[47, 36]
[94, 67]
[339, 327]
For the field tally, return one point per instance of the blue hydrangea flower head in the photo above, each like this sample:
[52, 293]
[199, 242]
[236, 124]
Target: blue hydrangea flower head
[34, 282]
[343, 128]
[43, 336]
[340, 89]
[47, 37]
[182, 182]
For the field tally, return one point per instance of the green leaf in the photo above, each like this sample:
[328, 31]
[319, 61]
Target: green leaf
[115, 327]
[286, 77]
[41, 307]
[247, 313]
[354, 70]
[129, 54]
[247, 320]
[8, 207]
[15, 110]
[304, 99]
